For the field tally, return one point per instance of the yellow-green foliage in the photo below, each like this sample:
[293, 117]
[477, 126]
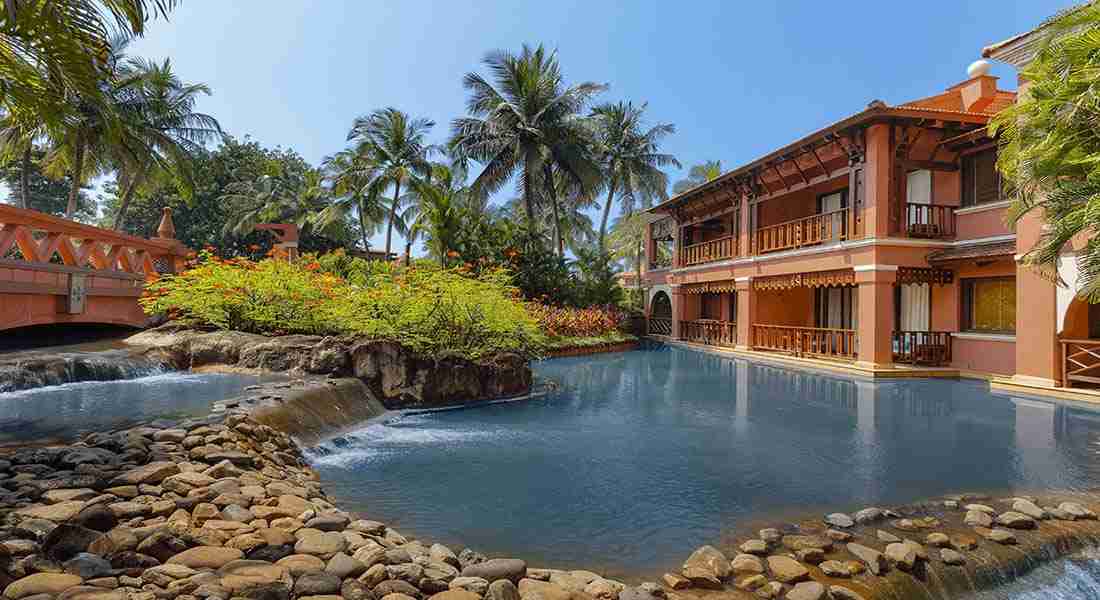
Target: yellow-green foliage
[428, 309]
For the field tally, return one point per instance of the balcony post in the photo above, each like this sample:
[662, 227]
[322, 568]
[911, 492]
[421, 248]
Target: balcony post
[877, 173]
[876, 314]
[746, 312]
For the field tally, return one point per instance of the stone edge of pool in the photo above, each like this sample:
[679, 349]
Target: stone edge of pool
[226, 506]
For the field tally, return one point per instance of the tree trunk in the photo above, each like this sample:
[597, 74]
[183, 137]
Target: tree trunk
[638, 273]
[528, 193]
[393, 215]
[606, 212]
[74, 189]
[408, 252]
[127, 196]
[552, 195]
[363, 228]
[25, 179]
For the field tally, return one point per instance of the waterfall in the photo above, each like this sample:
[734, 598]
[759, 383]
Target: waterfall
[23, 371]
[314, 412]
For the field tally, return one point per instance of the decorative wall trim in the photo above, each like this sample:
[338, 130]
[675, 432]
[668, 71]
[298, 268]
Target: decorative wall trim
[874, 267]
[980, 208]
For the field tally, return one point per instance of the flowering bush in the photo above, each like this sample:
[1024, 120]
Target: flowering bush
[557, 321]
[425, 308]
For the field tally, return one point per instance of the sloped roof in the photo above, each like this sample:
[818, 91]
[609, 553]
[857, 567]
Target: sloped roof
[952, 100]
[974, 251]
[1016, 48]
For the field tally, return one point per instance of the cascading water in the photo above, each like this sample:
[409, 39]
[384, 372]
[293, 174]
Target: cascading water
[36, 369]
[1076, 577]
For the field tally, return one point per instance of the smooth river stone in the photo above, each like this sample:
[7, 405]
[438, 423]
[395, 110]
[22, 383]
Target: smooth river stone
[839, 520]
[787, 569]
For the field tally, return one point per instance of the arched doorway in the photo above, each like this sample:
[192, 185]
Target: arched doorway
[660, 314]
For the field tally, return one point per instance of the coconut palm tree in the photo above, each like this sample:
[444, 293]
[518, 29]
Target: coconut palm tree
[59, 49]
[94, 136]
[698, 175]
[164, 131]
[394, 145]
[351, 181]
[526, 123]
[630, 157]
[18, 133]
[439, 200]
[278, 195]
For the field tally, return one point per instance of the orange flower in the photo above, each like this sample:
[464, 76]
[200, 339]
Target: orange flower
[452, 254]
[254, 247]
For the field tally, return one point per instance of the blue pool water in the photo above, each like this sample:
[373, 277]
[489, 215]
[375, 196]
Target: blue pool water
[60, 413]
[640, 457]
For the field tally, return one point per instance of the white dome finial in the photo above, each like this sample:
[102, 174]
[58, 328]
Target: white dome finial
[978, 68]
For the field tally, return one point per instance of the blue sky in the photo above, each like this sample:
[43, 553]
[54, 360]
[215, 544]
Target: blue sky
[738, 79]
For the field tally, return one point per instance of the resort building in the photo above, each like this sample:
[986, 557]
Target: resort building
[877, 244]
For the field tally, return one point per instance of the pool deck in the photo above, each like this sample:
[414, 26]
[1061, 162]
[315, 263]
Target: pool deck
[997, 382]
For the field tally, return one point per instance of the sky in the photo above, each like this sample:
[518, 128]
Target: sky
[737, 79]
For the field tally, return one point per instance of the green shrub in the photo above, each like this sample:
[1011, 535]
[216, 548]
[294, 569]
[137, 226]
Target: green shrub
[427, 309]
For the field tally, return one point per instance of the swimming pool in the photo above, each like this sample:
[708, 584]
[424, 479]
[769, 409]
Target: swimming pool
[637, 458]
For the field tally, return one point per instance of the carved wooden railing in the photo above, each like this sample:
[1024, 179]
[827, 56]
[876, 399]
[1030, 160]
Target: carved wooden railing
[929, 220]
[33, 241]
[710, 332]
[660, 326]
[806, 341]
[704, 252]
[1080, 362]
[922, 347]
[832, 226]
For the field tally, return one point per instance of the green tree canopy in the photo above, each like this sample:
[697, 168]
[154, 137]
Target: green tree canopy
[1050, 144]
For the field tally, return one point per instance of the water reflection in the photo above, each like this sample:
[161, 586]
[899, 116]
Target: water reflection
[639, 457]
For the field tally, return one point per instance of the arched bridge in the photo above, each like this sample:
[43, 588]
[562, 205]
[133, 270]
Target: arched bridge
[56, 271]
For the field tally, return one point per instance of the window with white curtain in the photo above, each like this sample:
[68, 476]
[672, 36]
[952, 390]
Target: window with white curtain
[915, 307]
[918, 190]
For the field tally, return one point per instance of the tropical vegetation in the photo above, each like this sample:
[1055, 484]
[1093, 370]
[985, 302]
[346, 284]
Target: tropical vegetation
[76, 110]
[1050, 146]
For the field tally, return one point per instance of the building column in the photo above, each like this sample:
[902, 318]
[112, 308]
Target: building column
[877, 194]
[678, 302]
[1038, 354]
[746, 312]
[876, 314]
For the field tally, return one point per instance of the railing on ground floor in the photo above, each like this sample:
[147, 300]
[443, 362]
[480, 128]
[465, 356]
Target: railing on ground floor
[806, 341]
[709, 331]
[704, 252]
[922, 347]
[660, 326]
[1080, 362]
[822, 228]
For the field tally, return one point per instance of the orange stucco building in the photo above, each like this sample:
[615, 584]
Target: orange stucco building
[878, 244]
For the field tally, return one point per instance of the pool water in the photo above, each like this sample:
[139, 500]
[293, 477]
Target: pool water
[640, 457]
[60, 413]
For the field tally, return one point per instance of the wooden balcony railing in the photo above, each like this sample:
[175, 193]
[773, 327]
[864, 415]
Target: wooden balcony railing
[1080, 362]
[709, 332]
[832, 226]
[704, 252]
[929, 220]
[922, 347]
[806, 341]
[659, 326]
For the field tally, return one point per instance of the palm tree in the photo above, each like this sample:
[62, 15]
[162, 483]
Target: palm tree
[18, 133]
[394, 145]
[528, 123]
[275, 196]
[699, 175]
[439, 199]
[352, 183]
[628, 240]
[630, 158]
[165, 132]
[59, 49]
[92, 138]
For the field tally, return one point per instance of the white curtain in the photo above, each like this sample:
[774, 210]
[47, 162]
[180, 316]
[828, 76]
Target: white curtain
[829, 204]
[915, 307]
[918, 190]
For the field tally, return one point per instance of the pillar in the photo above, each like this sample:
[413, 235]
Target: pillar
[746, 312]
[677, 297]
[876, 314]
[1038, 354]
[877, 194]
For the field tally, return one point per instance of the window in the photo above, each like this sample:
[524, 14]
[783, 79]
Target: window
[980, 178]
[836, 307]
[989, 305]
[918, 187]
